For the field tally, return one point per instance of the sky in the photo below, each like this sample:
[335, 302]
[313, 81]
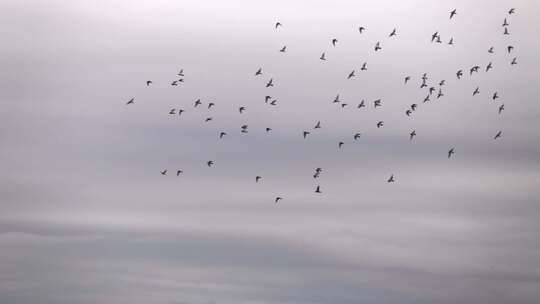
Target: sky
[86, 217]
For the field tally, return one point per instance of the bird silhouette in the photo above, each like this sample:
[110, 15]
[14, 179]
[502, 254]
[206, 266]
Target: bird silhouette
[259, 72]
[210, 104]
[434, 36]
[181, 73]
[267, 98]
[357, 136]
[178, 172]
[505, 23]
[391, 179]
[495, 96]
[318, 125]
[497, 135]
[407, 78]
[501, 108]
[277, 199]
[450, 152]
[257, 178]
[318, 189]
[351, 74]
[377, 103]
[180, 111]
[210, 163]
[490, 50]
[323, 56]
[270, 83]
[131, 101]
[340, 144]
[283, 49]
[172, 111]
[221, 134]
[241, 109]
[380, 124]
[509, 48]
[343, 105]
[459, 74]
[244, 129]
[489, 67]
[278, 24]
[393, 33]
[506, 32]
[197, 103]
[514, 61]
[148, 82]
[164, 172]
[412, 134]
[453, 13]
[208, 119]
[364, 67]
[334, 41]
[361, 29]
[451, 41]
[408, 112]
[378, 46]
[273, 102]
[361, 104]
[511, 11]
[413, 106]
[268, 130]
[305, 134]
[476, 91]
[336, 99]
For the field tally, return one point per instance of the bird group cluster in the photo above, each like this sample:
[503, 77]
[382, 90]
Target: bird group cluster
[433, 91]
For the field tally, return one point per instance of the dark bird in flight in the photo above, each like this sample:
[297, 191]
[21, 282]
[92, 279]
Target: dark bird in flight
[476, 91]
[407, 78]
[361, 104]
[391, 179]
[283, 49]
[336, 99]
[431, 90]
[257, 178]
[413, 106]
[506, 32]
[434, 36]
[164, 172]
[132, 100]
[241, 109]
[450, 152]
[490, 50]
[174, 83]
[244, 129]
[408, 112]
[340, 144]
[259, 72]
[426, 99]
[197, 102]
[148, 82]
[208, 119]
[497, 135]
[511, 11]
[412, 134]
[323, 57]
[172, 111]
[424, 77]
[305, 133]
[181, 73]
[278, 24]
[210, 104]
[489, 67]
[440, 94]
[268, 130]
[221, 134]
[361, 29]
[318, 125]
[351, 74]
[378, 46]
[495, 96]
[474, 69]
[364, 67]
[501, 108]
[438, 39]
[453, 13]
[318, 189]
[267, 98]
[393, 33]
[180, 112]
[343, 105]
[451, 41]
[270, 83]
[380, 124]
[178, 172]
[334, 41]
[210, 163]
[273, 102]
[459, 74]
[277, 199]
[441, 83]
[509, 48]
[505, 23]
[357, 136]
[514, 61]
[377, 103]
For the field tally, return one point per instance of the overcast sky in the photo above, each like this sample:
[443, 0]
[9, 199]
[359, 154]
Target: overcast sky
[86, 217]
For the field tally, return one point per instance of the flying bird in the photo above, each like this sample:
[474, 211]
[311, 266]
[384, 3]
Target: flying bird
[131, 101]
[407, 78]
[318, 189]
[434, 36]
[305, 133]
[489, 67]
[361, 104]
[506, 32]
[244, 128]
[361, 29]
[241, 109]
[197, 103]
[476, 91]
[164, 172]
[393, 33]
[210, 163]
[277, 199]
[323, 57]
[378, 46]
[257, 178]
[391, 179]
[343, 105]
[511, 11]
[377, 103]
[450, 152]
[259, 72]
[267, 98]
[208, 119]
[334, 41]
[340, 144]
[318, 125]
[268, 130]
[270, 83]
[181, 73]
[283, 49]
[514, 61]
[148, 82]
[351, 74]
[412, 134]
[221, 134]
[451, 41]
[336, 99]
[459, 74]
[178, 172]
[172, 111]
[380, 124]
[495, 96]
[490, 50]
[413, 106]
[501, 108]
[505, 23]
[453, 13]
[364, 67]
[509, 48]
[408, 112]
[357, 136]
[278, 24]
[497, 135]
[210, 104]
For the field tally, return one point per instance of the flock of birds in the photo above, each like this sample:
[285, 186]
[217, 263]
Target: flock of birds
[433, 91]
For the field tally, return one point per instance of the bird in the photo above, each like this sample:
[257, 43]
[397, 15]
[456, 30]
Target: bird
[377, 103]
[357, 136]
[351, 74]
[273, 102]
[412, 134]
[244, 129]
[241, 109]
[277, 199]
[148, 82]
[278, 24]
[268, 130]
[407, 78]
[259, 72]
[334, 41]
[501, 108]
[440, 94]
[380, 124]
[336, 99]
[172, 111]
[453, 13]
[495, 96]
[257, 178]
[322, 57]
[459, 74]
[318, 125]
[476, 91]
[181, 73]
[450, 152]
[505, 23]
[391, 179]
[378, 46]
[434, 36]
[340, 144]
[431, 90]
[506, 32]
[509, 48]
[489, 67]
[131, 101]
[451, 41]
[364, 67]
[497, 135]
[180, 112]
[361, 104]
[210, 104]
[318, 189]
[178, 172]
[474, 69]
[514, 61]
[221, 134]
[164, 172]
[343, 105]
[426, 99]
[208, 119]
[408, 112]
[393, 33]
[197, 102]
[361, 29]
[270, 83]
[490, 50]
[210, 163]
[283, 49]
[511, 11]
[305, 133]
[174, 83]
[441, 83]
[267, 98]
[413, 106]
